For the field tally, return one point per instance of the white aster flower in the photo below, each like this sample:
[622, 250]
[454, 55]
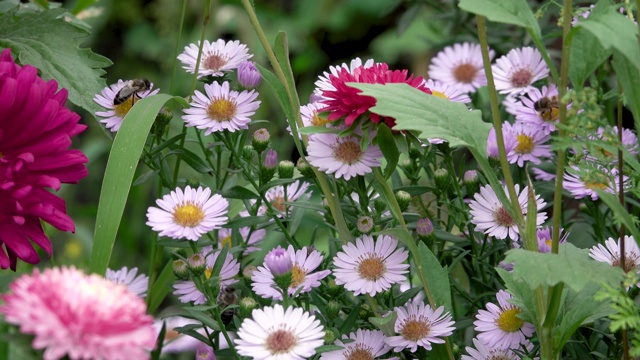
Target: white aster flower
[485, 352]
[342, 156]
[189, 214]
[610, 253]
[273, 333]
[460, 65]
[451, 92]
[115, 113]
[419, 325]
[366, 344]
[136, 284]
[217, 57]
[515, 72]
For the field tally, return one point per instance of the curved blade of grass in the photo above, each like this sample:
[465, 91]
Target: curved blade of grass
[121, 166]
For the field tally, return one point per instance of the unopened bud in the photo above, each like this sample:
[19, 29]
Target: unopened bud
[424, 227]
[247, 305]
[197, 263]
[404, 199]
[365, 224]
[248, 271]
[380, 205]
[408, 165]
[441, 178]
[305, 169]
[470, 179]
[333, 309]
[193, 181]
[333, 289]
[247, 152]
[285, 169]
[162, 120]
[180, 269]
[269, 165]
[260, 140]
[278, 261]
[329, 337]
[248, 76]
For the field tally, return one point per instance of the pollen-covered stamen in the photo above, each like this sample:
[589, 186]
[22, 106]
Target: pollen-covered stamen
[502, 217]
[595, 180]
[297, 276]
[525, 144]
[214, 61]
[508, 320]
[226, 241]
[439, 94]
[371, 268]
[207, 272]
[317, 120]
[465, 73]
[415, 328]
[281, 341]
[521, 77]
[278, 203]
[347, 151]
[222, 109]
[188, 215]
[631, 261]
[359, 352]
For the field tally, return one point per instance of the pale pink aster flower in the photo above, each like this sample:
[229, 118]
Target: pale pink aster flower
[490, 216]
[188, 214]
[451, 92]
[542, 175]
[221, 109]
[545, 238]
[610, 253]
[115, 113]
[368, 267]
[515, 72]
[303, 278]
[342, 156]
[539, 108]
[584, 182]
[249, 238]
[460, 65]
[277, 199]
[610, 135]
[176, 342]
[79, 316]
[276, 333]
[187, 289]
[492, 140]
[136, 284]
[324, 82]
[485, 352]
[366, 344]
[511, 103]
[217, 57]
[529, 144]
[419, 325]
[499, 325]
[205, 352]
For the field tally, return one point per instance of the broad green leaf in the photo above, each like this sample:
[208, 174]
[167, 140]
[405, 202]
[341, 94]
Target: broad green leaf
[51, 44]
[514, 12]
[621, 214]
[387, 145]
[386, 323]
[614, 31]
[327, 348]
[430, 115]
[81, 5]
[586, 55]
[571, 266]
[523, 296]
[629, 77]
[279, 89]
[437, 277]
[192, 159]
[118, 176]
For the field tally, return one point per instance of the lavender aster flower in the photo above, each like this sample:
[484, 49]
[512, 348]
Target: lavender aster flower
[528, 144]
[278, 261]
[248, 75]
[500, 326]
[419, 325]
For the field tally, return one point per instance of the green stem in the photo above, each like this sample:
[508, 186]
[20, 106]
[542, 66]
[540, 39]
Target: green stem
[223, 330]
[175, 52]
[156, 253]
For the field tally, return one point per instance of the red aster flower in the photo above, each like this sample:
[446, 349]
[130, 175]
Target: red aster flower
[35, 134]
[346, 101]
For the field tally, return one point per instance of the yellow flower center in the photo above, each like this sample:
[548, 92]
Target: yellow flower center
[439, 94]
[214, 61]
[316, 120]
[415, 329]
[221, 110]
[188, 215]
[207, 272]
[280, 341]
[358, 352]
[371, 268]
[297, 276]
[123, 108]
[508, 321]
[525, 144]
[347, 151]
[465, 73]
[226, 241]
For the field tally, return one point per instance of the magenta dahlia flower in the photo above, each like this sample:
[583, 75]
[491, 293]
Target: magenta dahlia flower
[79, 316]
[346, 101]
[35, 135]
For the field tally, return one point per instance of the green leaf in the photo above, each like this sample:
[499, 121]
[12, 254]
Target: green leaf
[614, 31]
[621, 214]
[118, 176]
[246, 221]
[307, 130]
[523, 296]
[432, 116]
[629, 77]
[238, 192]
[386, 324]
[281, 93]
[571, 266]
[161, 287]
[389, 149]
[81, 5]
[437, 277]
[192, 159]
[45, 40]
[514, 12]
[586, 55]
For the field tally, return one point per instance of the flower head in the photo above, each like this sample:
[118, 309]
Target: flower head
[545, 239]
[250, 238]
[485, 352]
[302, 264]
[136, 284]
[366, 344]
[370, 267]
[187, 289]
[515, 72]
[492, 140]
[80, 316]
[248, 75]
[277, 199]
[460, 65]
[276, 333]
[419, 325]
[35, 135]
[528, 144]
[539, 108]
[112, 118]
[490, 215]
[610, 253]
[446, 91]
[342, 156]
[188, 214]
[221, 109]
[500, 326]
[583, 182]
[217, 57]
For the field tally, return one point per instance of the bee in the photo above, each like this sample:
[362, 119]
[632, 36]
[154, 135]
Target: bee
[228, 296]
[547, 108]
[130, 90]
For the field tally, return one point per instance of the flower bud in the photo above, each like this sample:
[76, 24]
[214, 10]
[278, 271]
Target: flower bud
[269, 164]
[380, 205]
[248, 76]
[162, 120]
[180, 269]
[278, 261]
[197, 263]
[248, 271]
[404, 199]
[247, 152]
[260, 140]
[305, 169]
[408, 165]
[470, 179]
[285, 169]
[441, 178]
[334, 290]
[193, 181]
[247, 305]
[424, 227]
[333, 309]
[365, 224]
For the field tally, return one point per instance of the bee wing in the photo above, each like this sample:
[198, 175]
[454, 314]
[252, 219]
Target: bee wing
[123, 95]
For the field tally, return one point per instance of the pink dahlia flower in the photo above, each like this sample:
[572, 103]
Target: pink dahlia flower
[346, 101]
[35, 135]
[79, 316]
